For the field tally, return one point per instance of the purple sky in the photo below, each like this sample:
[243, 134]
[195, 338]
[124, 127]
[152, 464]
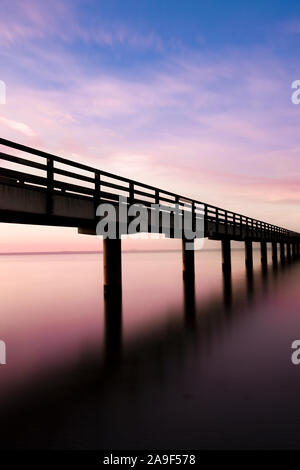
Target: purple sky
[194, 99]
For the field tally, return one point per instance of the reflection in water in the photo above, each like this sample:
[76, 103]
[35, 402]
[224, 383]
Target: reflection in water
[189, 294]
[227, 289]
[264, 270]
[163, 387]
[282, 254]
[265, 279]
[250, 283]
[113, 328]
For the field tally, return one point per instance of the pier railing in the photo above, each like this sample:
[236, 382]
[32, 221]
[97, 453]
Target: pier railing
[56, 174]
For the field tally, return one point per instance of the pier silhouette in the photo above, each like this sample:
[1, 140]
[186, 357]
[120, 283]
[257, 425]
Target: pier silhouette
[55, 191]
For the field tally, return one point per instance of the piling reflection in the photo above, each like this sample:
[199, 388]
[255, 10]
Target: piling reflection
[113, 329]
[250, 283]
[158, 358]
[282, 255]
[189, 301]
[227, 289]
[265, 279]
[264, 270]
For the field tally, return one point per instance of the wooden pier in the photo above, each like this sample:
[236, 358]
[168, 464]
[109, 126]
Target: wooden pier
[39, 188]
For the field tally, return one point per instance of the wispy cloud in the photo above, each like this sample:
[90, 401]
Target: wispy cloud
[30, 20]
[217, 127]
[20, 127]
[117, 35]
[34, 20]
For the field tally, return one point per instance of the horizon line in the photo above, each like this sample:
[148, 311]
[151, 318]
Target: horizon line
[93, 252]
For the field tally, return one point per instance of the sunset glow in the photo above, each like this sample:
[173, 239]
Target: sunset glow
[138, 95]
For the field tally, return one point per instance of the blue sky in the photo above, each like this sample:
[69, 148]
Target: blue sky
[193, 95]
[119, 35]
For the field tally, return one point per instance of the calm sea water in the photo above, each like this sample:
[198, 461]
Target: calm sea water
[172, 374]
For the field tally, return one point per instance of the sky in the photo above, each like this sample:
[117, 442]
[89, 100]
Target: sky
[193, 97]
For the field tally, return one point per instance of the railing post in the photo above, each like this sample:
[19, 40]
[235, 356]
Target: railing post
[193, 216]
[131, 192]
[205, 220]
[97, 195]
[157, 196]
[226, 220]
[217, 220]
[50, 185]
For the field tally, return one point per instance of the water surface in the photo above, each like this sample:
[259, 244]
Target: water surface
[171, 374]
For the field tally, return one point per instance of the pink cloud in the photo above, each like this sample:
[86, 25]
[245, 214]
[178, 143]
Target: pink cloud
[31, 20]
[174, 127]
[18, 126]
